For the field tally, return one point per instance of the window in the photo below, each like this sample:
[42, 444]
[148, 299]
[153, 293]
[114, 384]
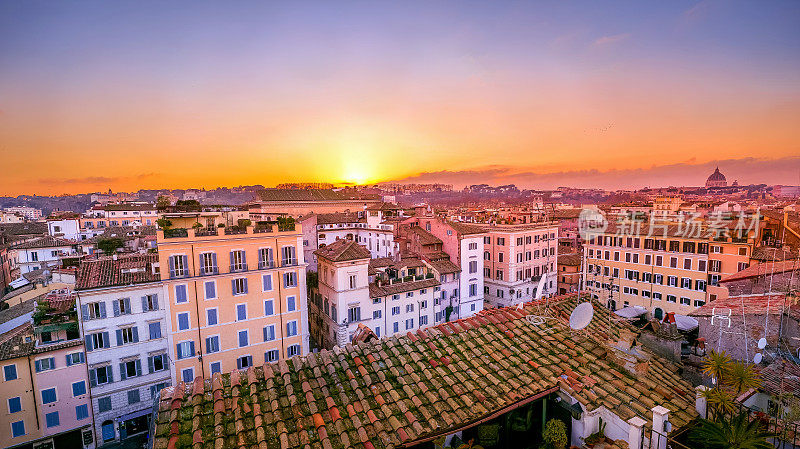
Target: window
[499, 257]
[94, 310]
[269, 307]
[376, 314]
[183, 321]
[266, 282]
[211, 289]
[216, 367]
[701, 265]
[699, 303]
[291, 328]
[211, 317]
[14, 404]
[269, 332]
[49, 396]
[271, 356]
[45, 364]
[154, 329]
[741, 266]
[184, 349]
[34, 256]
[685, 301]
[501, 241]
[208, 264]
[133, 396]
[396, 326]
[293, 350]
[423, 320]
[100, 376]
[241, 312]
[473, 246]
[714, 266]
[17, 429]
[78, 389]
[290, 279]
[81, 412]
[409, 323]
[180, 294]
[122, 306]
[212, 344]
[178, 266]
[149, 302]
[671, 298]
[672, 281]
[187, 374]
[239, 286]
[104, 404]
[290, 303]
[288, 256]
[243, 339]
[409, 308]
[127, 335]
[265, 259]
[157, 363]
[52, 419]
[396, 310]
[244, 361]
[9, 372]
[353, 281]
[131, 368]
[238, 261]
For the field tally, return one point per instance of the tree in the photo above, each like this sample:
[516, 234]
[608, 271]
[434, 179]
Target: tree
[110, 245]
[244, 222]
[555, 434]
[162, 202]
[737, 432]
[163, 223]
[730, 379]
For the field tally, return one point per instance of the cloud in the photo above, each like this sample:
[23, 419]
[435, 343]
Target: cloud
[697, 12]
[612, 39]
[689, 173]
[95, 180]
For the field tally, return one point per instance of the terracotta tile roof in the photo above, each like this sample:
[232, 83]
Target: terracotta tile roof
[343, 250]
[424, 237]
[566, 214]
[32, 228]
[129, 206]
[781, 376]
[465, 228]
[43, 242]
[13, 345]
[312, 195]
[764, 269]
[379, 262]
[572, 260]
[339, 218]
[107, 272]
[17, 310]
[395, 392]
[384, 207]
[752, 305]
[444, 266]
[386, 289]
[765, 253]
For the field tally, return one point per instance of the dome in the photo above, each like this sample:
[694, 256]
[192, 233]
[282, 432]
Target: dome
[716, 179]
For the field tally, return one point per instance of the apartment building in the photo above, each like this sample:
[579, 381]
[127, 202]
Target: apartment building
[41, 252]
[300, 202]
[515, 259]
[123, 322]
[11, 217]
[386, 296]
[661, 267]
[235, 297]
[462, 290]
[366, 227]
[569, 272]
[44, 390]
[30, 213]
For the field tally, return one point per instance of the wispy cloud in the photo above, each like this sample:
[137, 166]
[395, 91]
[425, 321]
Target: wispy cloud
[689, 173]
[611, 39]
[697, 12]
[95, 180]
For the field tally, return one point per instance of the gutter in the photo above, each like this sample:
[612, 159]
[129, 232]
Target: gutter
[478, 421]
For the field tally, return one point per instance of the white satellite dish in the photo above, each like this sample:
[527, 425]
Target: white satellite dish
[762, 343]
[581, 316]
[757, 358]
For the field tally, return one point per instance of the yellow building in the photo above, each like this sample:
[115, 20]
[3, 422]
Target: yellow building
[236, 297]
[662, 268]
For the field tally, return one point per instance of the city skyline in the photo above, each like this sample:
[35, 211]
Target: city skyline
[147, 95]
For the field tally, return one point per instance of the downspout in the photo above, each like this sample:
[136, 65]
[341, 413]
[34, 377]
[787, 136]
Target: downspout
[33, 387]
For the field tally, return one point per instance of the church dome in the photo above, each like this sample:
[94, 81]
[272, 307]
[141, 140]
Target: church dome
[716, 179]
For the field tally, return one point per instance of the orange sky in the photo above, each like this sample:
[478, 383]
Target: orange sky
[105, 110]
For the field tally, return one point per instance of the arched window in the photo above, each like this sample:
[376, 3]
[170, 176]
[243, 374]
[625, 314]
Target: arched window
[658, 313]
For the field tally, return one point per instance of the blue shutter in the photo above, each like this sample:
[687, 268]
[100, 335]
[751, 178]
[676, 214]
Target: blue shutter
[200, 266]
[110, 374]
[88, 343]
[231, 256]
[178, 351]
[106, 340]
[115, 303]
[155, 302]
[119, 337]
[38, 365]
[144, 303]
[92, 378]
[244, 259]
[85, 312]
[214, 262]
[127, 302]
[69, 360]
[150, 366]
[210, 290]
[245, 285]
[135, 334]
[138, 367]
[172, 266]
[80, 356]
[233, 286]
[122, 374]
[266, 280]
[103, 309]
[191, 348]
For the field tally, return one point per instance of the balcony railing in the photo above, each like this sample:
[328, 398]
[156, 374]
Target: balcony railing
[238, 267]
[175, 233]
[205, 271]
[265, 264]
[204, 232]
[288, 262]
[234, 230]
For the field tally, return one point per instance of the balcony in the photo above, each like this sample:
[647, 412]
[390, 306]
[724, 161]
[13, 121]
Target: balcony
[235, 230]
[204, 232]
[266, 264]
[212, 233]
[238, 267]
[206, 271]
[175, 233]
[288, 262]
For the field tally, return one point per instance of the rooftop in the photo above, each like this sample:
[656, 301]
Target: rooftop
[43, 242]
[572, 260]
[110, 272]
[343, 250]
[32, 228]
[764, 269]
[313, 195]
[405, 389]
[774, 304]
[424, 237]
[466, 228]
[386, 288]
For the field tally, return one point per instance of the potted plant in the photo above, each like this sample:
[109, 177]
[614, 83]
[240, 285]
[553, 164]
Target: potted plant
[555, 435]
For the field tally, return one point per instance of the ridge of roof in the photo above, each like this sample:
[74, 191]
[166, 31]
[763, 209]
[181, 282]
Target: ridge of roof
[343, 250]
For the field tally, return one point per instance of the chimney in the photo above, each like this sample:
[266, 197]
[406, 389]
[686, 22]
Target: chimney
[661, 427]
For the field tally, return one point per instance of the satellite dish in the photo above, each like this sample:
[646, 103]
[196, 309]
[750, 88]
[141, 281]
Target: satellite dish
[762, 343]
[581, 316]
[540, 288]
[757, 358]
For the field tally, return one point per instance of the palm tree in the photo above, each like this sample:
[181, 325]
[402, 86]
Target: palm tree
[742, 377]
[738, 432]
[716, 365]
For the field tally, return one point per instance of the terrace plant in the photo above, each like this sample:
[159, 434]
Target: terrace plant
[163, 223]
[554, 435]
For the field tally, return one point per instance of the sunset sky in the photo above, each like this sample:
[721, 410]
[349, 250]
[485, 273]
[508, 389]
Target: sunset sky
[128, 95]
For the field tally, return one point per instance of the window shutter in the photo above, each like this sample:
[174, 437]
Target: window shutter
[80, 356]
[172, 266]
[110, 373]
[214, 262]
[135, 334]
[144, 303]
[85, 312]
[138, 367]
[209, 289]
[178, 351]
[244, 258]
[245, 285]
[155, 302]
[150, 366]
[106, 340]
[122, 373]
[88, 343]
[249, 360]
[233, 286]
[127, 304]
[200, 265]
[92, 378]
[119, 337]
[191, 348]
[115, 303]
[231, 256]
[102, 309]
[69, 360]
[265, 334]
[208, 344]
[38, 365]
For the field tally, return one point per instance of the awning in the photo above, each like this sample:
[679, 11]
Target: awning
[685, 323]
[631, 312]
[133, 415]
